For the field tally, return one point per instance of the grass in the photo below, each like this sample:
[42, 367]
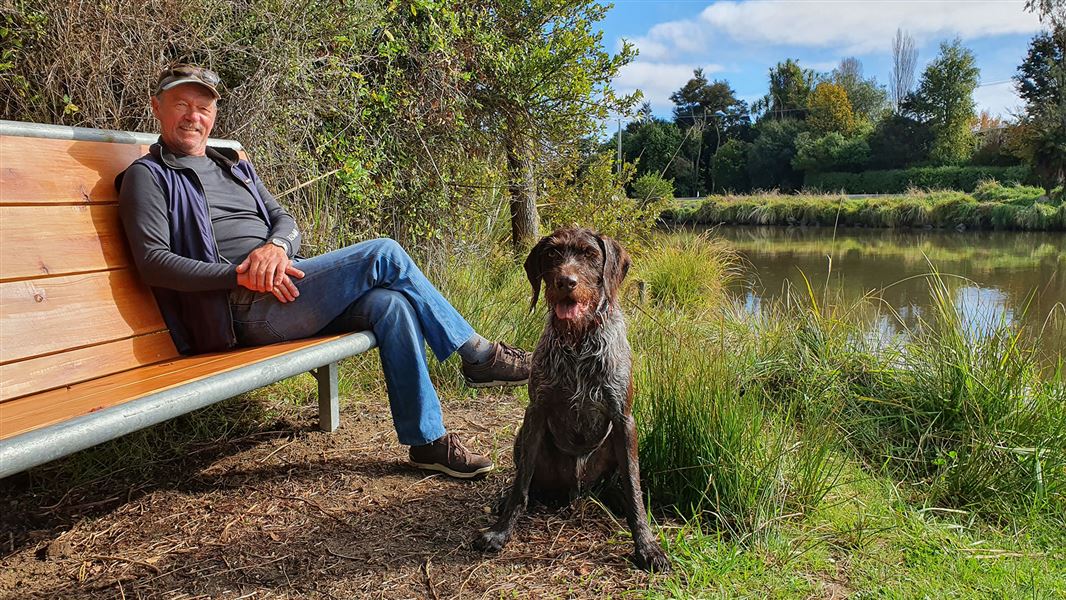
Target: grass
[785, 455]
[991, 206]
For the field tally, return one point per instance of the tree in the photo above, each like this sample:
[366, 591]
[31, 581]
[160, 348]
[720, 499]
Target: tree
[1041, 82]
[831, 152]
[655, 146]
[830, 110]
[730, 167]
[699, 98]
[944, 98]
[541, 79]
[866, 96]
[1052, 12]
[770, 158]
[904, 61]
[899, 141]
[1038, 79]
[790, 86]
[706, 112]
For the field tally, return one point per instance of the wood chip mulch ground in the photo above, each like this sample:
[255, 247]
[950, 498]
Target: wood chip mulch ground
[291, 512]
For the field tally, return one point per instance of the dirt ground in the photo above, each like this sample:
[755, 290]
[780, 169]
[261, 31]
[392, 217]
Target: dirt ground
[290, 512]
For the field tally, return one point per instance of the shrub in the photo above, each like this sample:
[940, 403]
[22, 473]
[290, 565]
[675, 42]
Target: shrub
[730, 167]
[770, 157]
[594, 197]
[652, 188]
[965, 179]
[831, 152]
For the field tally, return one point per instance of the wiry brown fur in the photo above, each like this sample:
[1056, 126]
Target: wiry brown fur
[578, 428]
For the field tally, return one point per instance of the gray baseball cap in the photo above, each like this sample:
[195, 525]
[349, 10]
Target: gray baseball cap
[178, 74]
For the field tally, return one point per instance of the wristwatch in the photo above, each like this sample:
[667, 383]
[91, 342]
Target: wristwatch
[280, 243]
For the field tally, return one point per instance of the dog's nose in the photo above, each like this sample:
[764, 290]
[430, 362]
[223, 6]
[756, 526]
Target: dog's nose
[566, 282]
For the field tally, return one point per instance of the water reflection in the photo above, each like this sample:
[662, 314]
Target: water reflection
[993, 277]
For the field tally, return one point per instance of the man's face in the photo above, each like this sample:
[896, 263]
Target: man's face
[186, 115]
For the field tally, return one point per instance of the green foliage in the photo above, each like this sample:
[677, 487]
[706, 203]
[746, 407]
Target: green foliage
[652, 188]
[964, 179]
[944, 98]
[655, 146]
[730, 167]
[407, 107]
[829, 110]
[770, 157]
[830, 152]
[594, 196]
[967, 420]
[705, 112]
[899, 141]
[790, 87]
[868, 99]
[699, 98]
[1042, 83]
[1038, 81]
[688, 273]
[1018, 195]
[954, 210]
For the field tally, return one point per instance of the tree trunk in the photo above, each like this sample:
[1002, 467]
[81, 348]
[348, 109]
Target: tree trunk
[525, 222]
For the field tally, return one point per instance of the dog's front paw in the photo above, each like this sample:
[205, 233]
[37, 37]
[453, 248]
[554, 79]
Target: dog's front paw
[491, 540]
[651, 557]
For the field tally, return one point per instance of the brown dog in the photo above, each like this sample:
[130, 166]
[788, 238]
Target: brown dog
[578, 428]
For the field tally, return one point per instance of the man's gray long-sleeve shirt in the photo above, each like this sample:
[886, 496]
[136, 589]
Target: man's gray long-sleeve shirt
[238, 227]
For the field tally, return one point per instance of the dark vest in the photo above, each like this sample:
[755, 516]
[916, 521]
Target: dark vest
[198, 321]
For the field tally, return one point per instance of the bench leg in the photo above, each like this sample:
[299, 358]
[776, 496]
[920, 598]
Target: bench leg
[329, 406]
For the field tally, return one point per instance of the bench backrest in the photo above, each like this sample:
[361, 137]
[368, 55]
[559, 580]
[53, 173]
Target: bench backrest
[71, 306]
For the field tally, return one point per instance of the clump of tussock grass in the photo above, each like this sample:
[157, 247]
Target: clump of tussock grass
[967, 418]
[687, 271]
[999, 207]
[711, 447]
[1020, 195]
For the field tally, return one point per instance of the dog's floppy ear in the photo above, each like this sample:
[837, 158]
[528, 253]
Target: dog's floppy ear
[535, 268]
[615, 266]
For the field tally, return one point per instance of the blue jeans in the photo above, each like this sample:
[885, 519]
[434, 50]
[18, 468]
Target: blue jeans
[371, 285]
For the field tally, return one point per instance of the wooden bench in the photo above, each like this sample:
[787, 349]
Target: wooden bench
[84, 354]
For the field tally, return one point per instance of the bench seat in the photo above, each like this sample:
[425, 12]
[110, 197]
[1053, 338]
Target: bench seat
[41, 427]
[84, 353]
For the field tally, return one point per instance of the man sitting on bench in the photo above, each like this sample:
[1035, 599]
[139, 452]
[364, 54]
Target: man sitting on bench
[220, 255]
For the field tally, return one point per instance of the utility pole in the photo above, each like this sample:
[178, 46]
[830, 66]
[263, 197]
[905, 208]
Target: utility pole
[619, 146]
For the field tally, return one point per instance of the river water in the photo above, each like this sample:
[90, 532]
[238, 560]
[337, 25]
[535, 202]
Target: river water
[1016, 277]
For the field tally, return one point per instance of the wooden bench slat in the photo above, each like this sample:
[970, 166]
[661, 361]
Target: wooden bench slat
[49, 315]
[47, 171]
[74, 366]
[39, 410]
[59, 240]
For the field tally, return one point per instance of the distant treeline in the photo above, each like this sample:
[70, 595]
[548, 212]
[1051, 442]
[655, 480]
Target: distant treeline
[830, 130]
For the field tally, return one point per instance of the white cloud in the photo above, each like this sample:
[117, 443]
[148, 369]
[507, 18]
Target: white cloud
[824, 66]
[851, 27]
[657, 80]
[666, 40]
[861, 27]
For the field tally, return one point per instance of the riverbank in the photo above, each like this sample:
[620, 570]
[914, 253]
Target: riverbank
[784, 456]
[991, 207]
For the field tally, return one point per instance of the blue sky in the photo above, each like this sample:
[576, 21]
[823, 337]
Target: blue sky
[740, 40]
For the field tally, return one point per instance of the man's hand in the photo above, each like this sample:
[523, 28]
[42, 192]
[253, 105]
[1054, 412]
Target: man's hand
[268, 269]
